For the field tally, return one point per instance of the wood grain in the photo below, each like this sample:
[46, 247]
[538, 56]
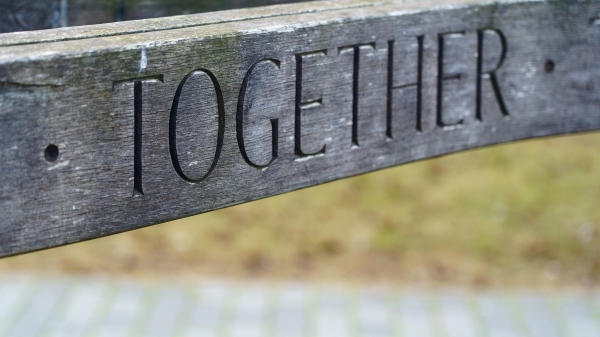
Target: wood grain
[161, 119]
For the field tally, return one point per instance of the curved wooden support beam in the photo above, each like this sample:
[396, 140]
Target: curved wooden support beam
[114, 127]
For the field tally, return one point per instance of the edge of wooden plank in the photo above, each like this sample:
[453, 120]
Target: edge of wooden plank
[175, 22]
[194, 20]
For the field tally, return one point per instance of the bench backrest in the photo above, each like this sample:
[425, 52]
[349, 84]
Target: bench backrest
[114, 127]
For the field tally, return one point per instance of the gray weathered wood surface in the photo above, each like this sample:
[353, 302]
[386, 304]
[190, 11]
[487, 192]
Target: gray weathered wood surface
[115, 127]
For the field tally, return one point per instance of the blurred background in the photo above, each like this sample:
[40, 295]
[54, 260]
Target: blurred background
[20, 15]
[514, 215]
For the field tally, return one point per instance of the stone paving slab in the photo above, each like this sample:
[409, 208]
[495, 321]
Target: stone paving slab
[95, 307]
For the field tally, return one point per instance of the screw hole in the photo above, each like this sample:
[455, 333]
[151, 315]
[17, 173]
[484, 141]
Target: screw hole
[51, 153]
[549, 66]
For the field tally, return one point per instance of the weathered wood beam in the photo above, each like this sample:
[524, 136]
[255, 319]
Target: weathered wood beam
[114, 127]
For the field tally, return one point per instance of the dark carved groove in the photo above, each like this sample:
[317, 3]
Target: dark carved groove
[240, 120]
[173, 127]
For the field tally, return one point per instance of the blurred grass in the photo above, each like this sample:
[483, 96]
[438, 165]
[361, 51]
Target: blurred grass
[523, 214]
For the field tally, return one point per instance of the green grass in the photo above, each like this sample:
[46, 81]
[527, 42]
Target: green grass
[524, 214]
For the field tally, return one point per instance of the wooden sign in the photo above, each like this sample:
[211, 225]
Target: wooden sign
[114, 127]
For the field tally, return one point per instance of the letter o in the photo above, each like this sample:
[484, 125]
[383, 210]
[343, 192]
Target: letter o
[173, 127]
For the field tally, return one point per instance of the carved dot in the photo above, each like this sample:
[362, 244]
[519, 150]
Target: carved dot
[51, 153]
[549, 66]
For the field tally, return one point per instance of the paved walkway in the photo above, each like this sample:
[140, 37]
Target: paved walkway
[90, 307]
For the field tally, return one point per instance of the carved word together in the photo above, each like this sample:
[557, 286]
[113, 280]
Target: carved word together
[447, 75]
